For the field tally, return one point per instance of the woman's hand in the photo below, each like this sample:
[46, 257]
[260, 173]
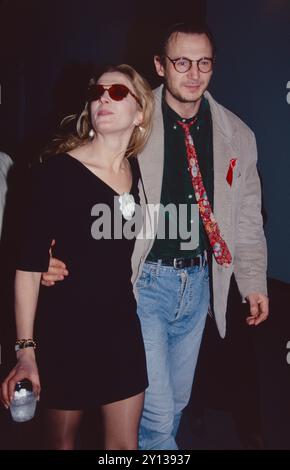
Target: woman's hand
[26, 368]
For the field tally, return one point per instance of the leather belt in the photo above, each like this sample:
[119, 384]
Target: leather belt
[180, 263]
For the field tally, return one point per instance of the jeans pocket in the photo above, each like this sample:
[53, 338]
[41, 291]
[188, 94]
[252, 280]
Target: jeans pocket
[144, 280]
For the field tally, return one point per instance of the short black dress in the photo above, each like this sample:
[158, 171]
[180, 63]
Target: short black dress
[90, 348]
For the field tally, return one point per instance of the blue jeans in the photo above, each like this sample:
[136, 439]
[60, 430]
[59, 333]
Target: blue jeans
[172, 307]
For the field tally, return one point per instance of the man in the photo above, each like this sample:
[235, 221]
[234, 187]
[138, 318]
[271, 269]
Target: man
[198, 152]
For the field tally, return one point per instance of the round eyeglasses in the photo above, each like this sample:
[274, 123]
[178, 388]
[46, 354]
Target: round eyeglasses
[183, 64]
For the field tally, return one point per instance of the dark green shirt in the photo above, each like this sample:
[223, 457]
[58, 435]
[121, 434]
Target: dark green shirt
[176, 184]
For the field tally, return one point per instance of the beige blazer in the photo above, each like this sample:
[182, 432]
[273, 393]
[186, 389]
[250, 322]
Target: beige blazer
[237, 208]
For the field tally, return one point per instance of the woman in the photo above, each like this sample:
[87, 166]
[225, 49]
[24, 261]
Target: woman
[90, 349]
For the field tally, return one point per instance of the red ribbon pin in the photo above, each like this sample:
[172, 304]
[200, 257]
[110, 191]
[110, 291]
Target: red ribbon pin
[230, 173]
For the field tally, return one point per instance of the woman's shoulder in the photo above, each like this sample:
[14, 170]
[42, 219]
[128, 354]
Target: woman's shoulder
[55, 160]
[49, 173]
[49, 164]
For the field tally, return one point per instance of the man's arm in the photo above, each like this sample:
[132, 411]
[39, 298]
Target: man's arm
[251, 251]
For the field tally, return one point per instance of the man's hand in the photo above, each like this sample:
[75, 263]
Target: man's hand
[259, 308]
[56, 270]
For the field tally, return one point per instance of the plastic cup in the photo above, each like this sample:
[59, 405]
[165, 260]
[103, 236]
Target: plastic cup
[23, 405]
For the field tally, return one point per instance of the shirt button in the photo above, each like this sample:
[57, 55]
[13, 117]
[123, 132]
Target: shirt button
[183, 120]
[174, 127]
[190, 196]
[197, 128]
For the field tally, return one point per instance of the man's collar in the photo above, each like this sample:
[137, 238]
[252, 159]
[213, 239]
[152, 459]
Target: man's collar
[173, 116]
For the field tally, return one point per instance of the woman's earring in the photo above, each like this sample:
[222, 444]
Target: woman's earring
[92, 133]
[141, 129]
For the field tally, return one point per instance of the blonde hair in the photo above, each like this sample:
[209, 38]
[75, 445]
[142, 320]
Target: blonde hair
[139, 137]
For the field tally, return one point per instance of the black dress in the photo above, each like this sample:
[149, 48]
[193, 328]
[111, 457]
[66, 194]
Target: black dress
[90, 348]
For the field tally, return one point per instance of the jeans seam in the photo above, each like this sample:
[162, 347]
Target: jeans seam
[184, 282]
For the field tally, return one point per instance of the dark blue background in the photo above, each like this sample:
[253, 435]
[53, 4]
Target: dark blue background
[47, 48]
[252, 72]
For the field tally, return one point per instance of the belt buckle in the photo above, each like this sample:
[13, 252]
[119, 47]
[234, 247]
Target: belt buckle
[178, 263]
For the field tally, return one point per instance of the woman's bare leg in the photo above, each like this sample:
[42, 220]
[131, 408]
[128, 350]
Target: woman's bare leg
[121, 423]
[61, 428]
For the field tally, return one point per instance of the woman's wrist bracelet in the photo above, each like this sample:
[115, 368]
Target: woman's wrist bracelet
[25, 343]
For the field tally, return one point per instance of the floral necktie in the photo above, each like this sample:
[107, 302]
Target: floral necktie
[220, 249]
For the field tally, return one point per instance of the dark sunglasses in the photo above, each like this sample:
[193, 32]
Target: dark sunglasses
[116, 91]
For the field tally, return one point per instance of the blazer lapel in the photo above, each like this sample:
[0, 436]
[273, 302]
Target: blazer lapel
[151, 160]
[223, 152]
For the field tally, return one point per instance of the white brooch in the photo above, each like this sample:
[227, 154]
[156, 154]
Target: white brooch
[127, 205]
